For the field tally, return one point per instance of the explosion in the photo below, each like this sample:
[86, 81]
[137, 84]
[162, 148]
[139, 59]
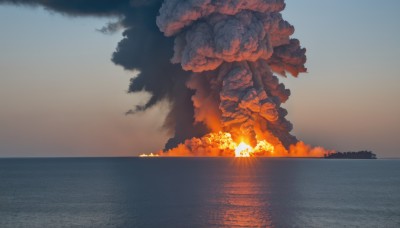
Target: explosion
[216, 64]
[233, 48]
[263, 148]
[220, 144]
[243, 150]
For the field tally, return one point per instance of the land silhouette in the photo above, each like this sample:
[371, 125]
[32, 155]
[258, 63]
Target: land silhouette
[351, 155]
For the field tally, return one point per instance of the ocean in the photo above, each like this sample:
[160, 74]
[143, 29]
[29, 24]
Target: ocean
[199, 192]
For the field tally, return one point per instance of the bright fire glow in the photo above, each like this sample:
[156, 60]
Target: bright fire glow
[225, 142]
[243, 150]
[218, 144]
[149, 155]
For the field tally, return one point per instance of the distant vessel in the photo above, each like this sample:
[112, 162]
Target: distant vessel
[351, 155]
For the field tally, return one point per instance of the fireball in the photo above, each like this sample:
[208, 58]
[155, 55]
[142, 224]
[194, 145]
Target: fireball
[243, 150]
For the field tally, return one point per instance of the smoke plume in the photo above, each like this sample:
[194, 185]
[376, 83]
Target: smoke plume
[233, 47]
[213, 61]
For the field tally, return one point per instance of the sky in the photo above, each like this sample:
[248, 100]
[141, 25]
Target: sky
[60, 94]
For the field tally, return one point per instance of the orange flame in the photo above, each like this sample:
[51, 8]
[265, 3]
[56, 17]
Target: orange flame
[262, 147]
[149, 155]
[222, 144]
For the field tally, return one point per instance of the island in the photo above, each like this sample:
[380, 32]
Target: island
[351, 155]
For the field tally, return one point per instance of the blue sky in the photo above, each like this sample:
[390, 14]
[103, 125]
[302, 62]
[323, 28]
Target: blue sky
[60, 95]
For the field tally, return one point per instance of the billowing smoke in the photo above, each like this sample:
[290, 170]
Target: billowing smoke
[212, 60]
[233, 47]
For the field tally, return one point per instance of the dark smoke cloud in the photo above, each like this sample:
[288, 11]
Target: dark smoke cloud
[111, 28]
[225, 53]
[77, 7]
[143, 48]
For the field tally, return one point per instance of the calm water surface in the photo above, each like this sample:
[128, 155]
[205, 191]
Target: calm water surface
[202, 192]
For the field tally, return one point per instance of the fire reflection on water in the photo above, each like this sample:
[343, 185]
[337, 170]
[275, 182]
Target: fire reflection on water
[241, 200]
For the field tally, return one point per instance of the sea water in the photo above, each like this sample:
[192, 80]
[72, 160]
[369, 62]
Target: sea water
[199, 192]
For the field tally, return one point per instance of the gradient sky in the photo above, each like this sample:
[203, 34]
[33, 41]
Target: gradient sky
[60, 94]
